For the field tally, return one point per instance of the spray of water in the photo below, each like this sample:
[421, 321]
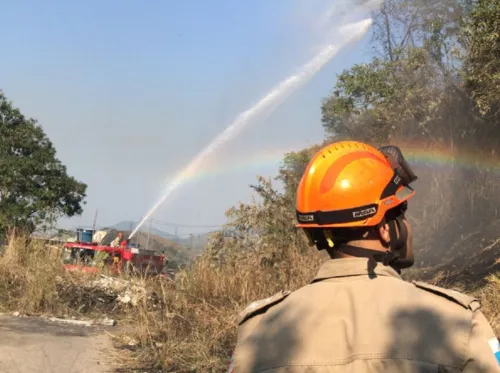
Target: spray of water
[349, 34]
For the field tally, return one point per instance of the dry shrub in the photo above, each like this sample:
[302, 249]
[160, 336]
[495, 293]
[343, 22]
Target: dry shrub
[194, 327]
[33, 281]
[489, 296]
[28, 278]
[77, 296]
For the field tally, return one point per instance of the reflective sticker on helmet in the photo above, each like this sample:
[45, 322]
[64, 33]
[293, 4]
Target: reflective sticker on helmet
[307, 218]
[495, 347]
[389, 201]
[363, 213]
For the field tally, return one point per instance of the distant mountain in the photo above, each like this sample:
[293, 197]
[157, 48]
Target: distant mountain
[130, 225]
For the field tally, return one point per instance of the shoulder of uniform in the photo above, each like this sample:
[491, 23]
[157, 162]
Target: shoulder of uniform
[261, 305]
[463, 300]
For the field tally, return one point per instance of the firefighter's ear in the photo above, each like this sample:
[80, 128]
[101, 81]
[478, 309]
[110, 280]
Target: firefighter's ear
[384, 234]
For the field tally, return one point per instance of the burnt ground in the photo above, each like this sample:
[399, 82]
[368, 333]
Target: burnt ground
[467, 262]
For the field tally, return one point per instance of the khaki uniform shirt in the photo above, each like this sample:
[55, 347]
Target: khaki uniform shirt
[356, 319]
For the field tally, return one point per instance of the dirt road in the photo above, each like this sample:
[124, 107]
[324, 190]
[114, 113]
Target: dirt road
[34, 345]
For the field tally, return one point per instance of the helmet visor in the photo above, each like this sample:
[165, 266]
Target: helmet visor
[399, 163]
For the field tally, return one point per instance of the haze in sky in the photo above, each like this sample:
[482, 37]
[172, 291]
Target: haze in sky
[130, 91]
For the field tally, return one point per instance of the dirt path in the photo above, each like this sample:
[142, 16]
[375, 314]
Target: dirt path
[34, 345]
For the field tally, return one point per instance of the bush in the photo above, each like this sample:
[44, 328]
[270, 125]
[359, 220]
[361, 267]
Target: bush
[28, 278]
[194, 329]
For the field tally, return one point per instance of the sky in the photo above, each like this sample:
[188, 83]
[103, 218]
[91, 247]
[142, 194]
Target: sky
[130, 91]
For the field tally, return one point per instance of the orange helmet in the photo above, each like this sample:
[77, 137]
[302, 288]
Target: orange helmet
[351, 184]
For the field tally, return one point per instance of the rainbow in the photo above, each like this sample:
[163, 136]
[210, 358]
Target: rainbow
[416, 154]
[264, 160]
[420, 154]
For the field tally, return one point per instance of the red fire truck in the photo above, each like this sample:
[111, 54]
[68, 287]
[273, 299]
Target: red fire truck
[89, 257]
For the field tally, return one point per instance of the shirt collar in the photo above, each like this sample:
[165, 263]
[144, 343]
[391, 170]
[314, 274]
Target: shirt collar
[353, 267]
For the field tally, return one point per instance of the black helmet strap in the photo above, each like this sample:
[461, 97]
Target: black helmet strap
[396, 256]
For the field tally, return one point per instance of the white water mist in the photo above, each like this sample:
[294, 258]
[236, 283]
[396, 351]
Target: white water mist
[348, 34]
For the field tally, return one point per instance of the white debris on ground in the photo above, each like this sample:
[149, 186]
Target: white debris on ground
[126, 291]
[101, 321]
[110, 289]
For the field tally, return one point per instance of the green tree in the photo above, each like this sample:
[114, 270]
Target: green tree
[407, 89]
[34, 185]
[415, 90]
[263, 231]
[429, 24]
[388, 99]
[481, 32]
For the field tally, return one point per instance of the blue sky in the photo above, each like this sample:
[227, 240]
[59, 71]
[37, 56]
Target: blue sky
[130, 91]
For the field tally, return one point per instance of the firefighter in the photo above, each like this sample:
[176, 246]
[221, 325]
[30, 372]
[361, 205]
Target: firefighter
[357, 315]
[117, 242]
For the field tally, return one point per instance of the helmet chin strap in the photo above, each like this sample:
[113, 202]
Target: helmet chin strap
[398, 234]
[395, 257]
[384, 257]
[399, 243]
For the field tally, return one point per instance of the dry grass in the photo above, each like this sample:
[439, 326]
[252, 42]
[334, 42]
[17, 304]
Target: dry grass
[194, 328]
[34, 282]
[187, 326]
[489, 296]
[28, 278]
